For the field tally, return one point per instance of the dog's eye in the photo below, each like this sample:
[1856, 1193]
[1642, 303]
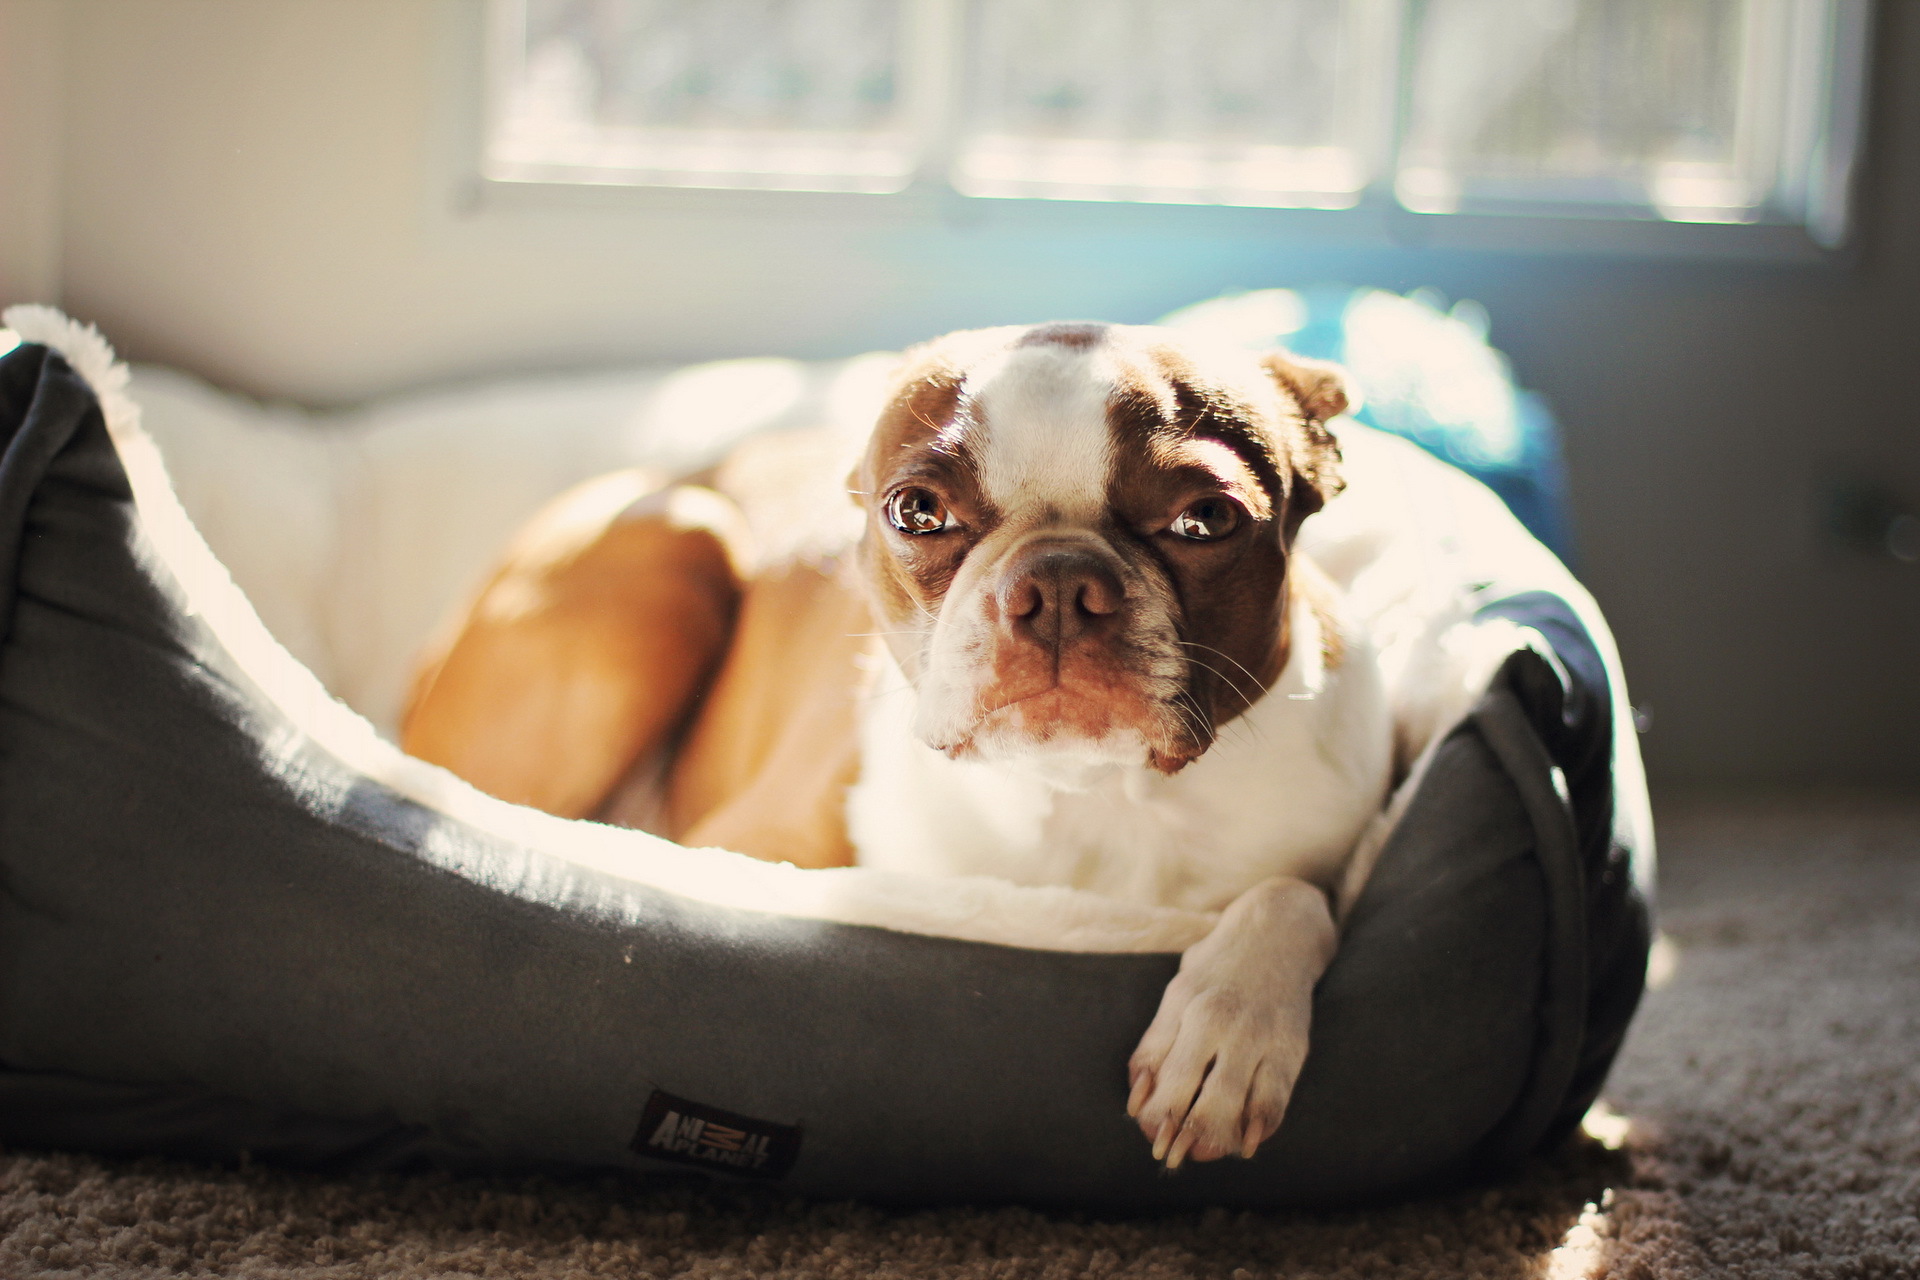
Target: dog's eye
[917, 511]
[1207, 520]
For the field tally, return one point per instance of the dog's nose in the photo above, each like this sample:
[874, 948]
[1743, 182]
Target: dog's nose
[1055, 594]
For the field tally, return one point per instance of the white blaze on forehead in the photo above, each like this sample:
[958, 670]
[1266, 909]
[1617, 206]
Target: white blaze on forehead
[1041, 414]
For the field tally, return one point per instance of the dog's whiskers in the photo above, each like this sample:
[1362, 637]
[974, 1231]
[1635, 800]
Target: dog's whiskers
[1239, 716]
[1226, 680]
[1191, 715]
[874, 695]
[1195, 644]
[1252, 731]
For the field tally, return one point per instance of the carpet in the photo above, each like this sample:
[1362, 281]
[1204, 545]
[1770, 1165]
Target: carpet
[1764, 1120]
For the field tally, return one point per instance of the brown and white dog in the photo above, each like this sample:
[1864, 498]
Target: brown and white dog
[1100, 663]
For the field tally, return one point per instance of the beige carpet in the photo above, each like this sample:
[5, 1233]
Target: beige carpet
[1771, 1089]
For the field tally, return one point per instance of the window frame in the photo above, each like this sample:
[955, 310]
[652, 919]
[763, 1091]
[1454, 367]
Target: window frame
[1376, 221]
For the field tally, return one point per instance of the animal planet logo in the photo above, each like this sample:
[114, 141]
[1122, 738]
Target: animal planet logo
[690, 1132]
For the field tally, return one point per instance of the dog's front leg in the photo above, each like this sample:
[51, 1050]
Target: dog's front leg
[1214, 1071]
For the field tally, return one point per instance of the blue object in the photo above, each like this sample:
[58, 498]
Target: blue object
[1422, 373]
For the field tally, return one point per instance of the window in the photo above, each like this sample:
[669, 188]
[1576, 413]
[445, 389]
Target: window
[1719, 111]
[798, 94]
[1219, 102]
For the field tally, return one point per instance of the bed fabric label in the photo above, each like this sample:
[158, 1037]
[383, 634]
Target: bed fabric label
[693, 1133]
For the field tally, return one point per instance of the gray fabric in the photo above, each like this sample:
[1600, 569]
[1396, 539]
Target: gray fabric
[216, 938]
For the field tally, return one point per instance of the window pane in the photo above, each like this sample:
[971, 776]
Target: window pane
[775, 93]
[1677, 106]
[1280, 102]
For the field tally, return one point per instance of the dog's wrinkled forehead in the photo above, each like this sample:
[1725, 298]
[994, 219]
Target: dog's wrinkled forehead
[1060, 420]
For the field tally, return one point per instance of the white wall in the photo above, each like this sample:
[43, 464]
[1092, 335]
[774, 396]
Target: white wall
[273, 194]
[32, 123]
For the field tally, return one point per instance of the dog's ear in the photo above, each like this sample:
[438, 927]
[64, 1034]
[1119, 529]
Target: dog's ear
[1319, 389]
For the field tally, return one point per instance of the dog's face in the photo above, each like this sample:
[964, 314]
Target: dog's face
[1077, 536]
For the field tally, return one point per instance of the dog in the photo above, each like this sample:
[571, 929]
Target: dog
[1064, 636]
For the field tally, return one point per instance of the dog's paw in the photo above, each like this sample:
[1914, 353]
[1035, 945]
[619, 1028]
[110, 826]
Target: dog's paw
[1215, 1070]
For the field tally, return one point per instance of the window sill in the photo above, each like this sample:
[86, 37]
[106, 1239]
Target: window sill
[1376, 223]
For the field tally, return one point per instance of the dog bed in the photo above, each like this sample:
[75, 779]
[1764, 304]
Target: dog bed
[235, 922]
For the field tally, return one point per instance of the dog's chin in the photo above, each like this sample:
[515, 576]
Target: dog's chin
[1069, 756]
[1066, 761]
[1070, 735]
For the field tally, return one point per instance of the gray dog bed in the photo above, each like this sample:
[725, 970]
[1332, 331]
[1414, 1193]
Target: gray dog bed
[233, 922]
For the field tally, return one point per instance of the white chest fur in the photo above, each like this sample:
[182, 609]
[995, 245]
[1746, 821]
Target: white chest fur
[1287, 789]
